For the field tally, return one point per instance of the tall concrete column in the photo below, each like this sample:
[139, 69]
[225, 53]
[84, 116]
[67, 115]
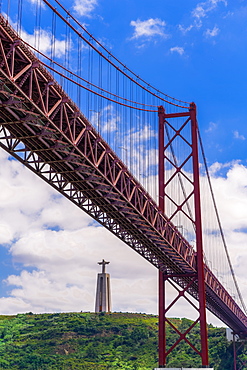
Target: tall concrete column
[103, 291]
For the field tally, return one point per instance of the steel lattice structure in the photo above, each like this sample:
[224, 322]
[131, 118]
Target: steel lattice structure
[42, 128]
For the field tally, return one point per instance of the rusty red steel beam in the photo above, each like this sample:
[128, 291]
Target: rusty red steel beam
[43, 129]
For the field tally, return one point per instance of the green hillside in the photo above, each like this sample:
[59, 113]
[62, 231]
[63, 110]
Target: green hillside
[98, 341]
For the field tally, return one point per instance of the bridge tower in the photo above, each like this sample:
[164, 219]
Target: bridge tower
[103, 291]
[178, 167]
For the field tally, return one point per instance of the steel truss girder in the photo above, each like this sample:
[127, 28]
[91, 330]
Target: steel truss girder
[42, 128]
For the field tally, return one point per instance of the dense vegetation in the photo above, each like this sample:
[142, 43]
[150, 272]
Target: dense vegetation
[99, 341]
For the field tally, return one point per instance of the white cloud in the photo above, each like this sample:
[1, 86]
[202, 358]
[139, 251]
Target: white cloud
[203, 8]
[229, 14]
[105, 120]
[237, 135]
[184, 30]
[199, 13]
[109, 119]
[212, 33]
[216, 167]
[57, 269]
[65, 270]
[229, 181]
[177, 49]
[149, 28]
[42, 293]
[56, 247]
[231, 195]
[139, 136]
[84, 8]
[37, 2]
[212, 127]
[141, 158]
[43, 40]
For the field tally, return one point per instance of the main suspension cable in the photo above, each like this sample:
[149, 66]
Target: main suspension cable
[52, 61]
[94, 92]
[109, 53]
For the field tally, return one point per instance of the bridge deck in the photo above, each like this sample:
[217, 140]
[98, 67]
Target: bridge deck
[43, 128]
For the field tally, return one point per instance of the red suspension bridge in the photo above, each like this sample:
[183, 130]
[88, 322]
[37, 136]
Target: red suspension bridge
[124, 152]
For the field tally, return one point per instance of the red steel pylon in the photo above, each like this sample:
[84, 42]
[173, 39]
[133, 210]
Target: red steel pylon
[165, 153]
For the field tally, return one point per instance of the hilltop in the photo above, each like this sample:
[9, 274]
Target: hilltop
[66, 341]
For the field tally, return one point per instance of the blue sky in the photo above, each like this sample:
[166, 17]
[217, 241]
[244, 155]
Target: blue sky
[191, 50]
[195, 51]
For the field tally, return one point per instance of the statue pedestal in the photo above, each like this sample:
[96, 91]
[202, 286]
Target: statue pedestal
[103, 293]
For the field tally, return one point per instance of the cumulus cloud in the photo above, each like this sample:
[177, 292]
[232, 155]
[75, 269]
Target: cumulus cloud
[109, 119]
[43, 40]
[184, 30]
[237, 136]
[140, 136]
[231, 195]
[213, 32]
[84, 8]
[212, 127]
[201, 12]
[148, 28]
[142, 158]
[64, 269]
[55, 246]
[177, 49]
[202, 9]
[37, 2]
